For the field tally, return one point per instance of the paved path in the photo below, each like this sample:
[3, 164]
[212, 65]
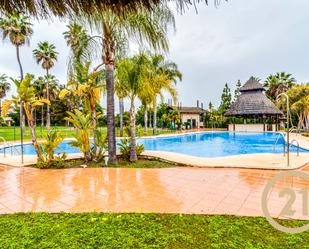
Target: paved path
[171, 190]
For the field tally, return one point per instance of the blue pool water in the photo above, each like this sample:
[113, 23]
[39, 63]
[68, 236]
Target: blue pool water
[206, 144]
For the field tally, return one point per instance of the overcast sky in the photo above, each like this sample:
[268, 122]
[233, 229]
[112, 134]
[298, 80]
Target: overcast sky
[215, 46]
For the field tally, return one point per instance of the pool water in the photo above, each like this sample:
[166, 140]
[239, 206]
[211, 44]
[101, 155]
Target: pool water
[205, 144]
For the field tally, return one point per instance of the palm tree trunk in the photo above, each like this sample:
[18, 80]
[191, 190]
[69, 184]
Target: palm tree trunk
[19, 63]
[133, 156]
[146, 120]
[94, 120]
[108, 59]
[33, 135]
[109, 70]
[154, 129]
[121, 116]
[48, 107]
[42, 116]
[22, 117]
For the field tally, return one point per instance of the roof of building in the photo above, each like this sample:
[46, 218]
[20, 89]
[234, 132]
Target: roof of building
[192, 110]
[252, 84]
[252, 101]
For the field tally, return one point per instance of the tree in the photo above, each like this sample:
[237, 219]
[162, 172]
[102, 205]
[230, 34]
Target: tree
[163, 76]
[145, 27]
[237, 90]
[80, 43]
[226, 99]
[299, 100]
[210, 106]
[46, 55]
[131, 74]
[28, 100]
[89, 85]
[18, 29]
[4, 87]
[278, 83]
[121, 92]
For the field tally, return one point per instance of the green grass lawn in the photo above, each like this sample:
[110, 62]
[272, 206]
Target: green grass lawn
[101, 230]
[13, 134]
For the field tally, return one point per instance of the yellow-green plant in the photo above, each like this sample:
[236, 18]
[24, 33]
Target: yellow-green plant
[83, 123]
[89, 85]
[51, 143]
[28, 100]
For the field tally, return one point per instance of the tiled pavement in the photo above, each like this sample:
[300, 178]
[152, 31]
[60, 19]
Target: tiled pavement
[171, 190]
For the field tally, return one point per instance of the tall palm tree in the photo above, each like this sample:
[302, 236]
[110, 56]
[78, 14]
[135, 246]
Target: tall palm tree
[121, 93]
[18, 29]
[145, 27]
[81, 44]
[46, 55]
[4, 88]
[131, 73]
[163, 76]
[278, 83]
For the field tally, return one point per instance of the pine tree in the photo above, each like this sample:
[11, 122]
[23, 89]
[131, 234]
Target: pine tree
[237, 90]
[226, 99]
[210, 106]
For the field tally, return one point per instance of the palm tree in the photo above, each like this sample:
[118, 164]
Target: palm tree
[299, 100]
[131, 73]
[163, 76]
[18, 29]
[46, 55]
[278, 83]
[81, 43]
[121, 93]
[4, 87]
[144, 26]
[89, 85]
[28, 99]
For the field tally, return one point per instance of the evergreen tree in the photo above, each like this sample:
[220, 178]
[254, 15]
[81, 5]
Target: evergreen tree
[210, 106]
[226, 99]
[237, 90]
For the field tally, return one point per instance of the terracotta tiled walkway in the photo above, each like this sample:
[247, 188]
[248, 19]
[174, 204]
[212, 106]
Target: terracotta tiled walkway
[181, 190]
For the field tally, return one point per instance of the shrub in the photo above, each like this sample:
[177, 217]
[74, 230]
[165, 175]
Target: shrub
[125, 148]
[57, 163]
[47, 148]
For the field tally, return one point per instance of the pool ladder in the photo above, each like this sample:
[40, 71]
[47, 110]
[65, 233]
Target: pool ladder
[284, 144]
[8, 145]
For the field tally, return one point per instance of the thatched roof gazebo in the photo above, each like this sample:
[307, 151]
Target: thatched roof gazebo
[253, 103]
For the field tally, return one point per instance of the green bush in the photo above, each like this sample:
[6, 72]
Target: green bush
[57, 163]
[125, 148]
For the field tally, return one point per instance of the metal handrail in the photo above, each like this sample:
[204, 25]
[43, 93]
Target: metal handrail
[275, 145]
[294, 128]
[294, 140]
[8, 145]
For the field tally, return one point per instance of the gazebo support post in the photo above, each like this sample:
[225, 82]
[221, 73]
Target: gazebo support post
[234, 124]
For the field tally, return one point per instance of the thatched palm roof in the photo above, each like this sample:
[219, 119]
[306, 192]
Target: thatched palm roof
[252, 101]
[61, 8]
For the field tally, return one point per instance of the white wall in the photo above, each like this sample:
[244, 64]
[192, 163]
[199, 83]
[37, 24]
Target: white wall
[250, 127]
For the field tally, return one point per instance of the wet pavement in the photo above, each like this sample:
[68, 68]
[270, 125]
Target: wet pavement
[167, 190]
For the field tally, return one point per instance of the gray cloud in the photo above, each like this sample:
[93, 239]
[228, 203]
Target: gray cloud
[234, 41]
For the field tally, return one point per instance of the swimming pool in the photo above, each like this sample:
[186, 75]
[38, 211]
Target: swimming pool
[204, 144]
